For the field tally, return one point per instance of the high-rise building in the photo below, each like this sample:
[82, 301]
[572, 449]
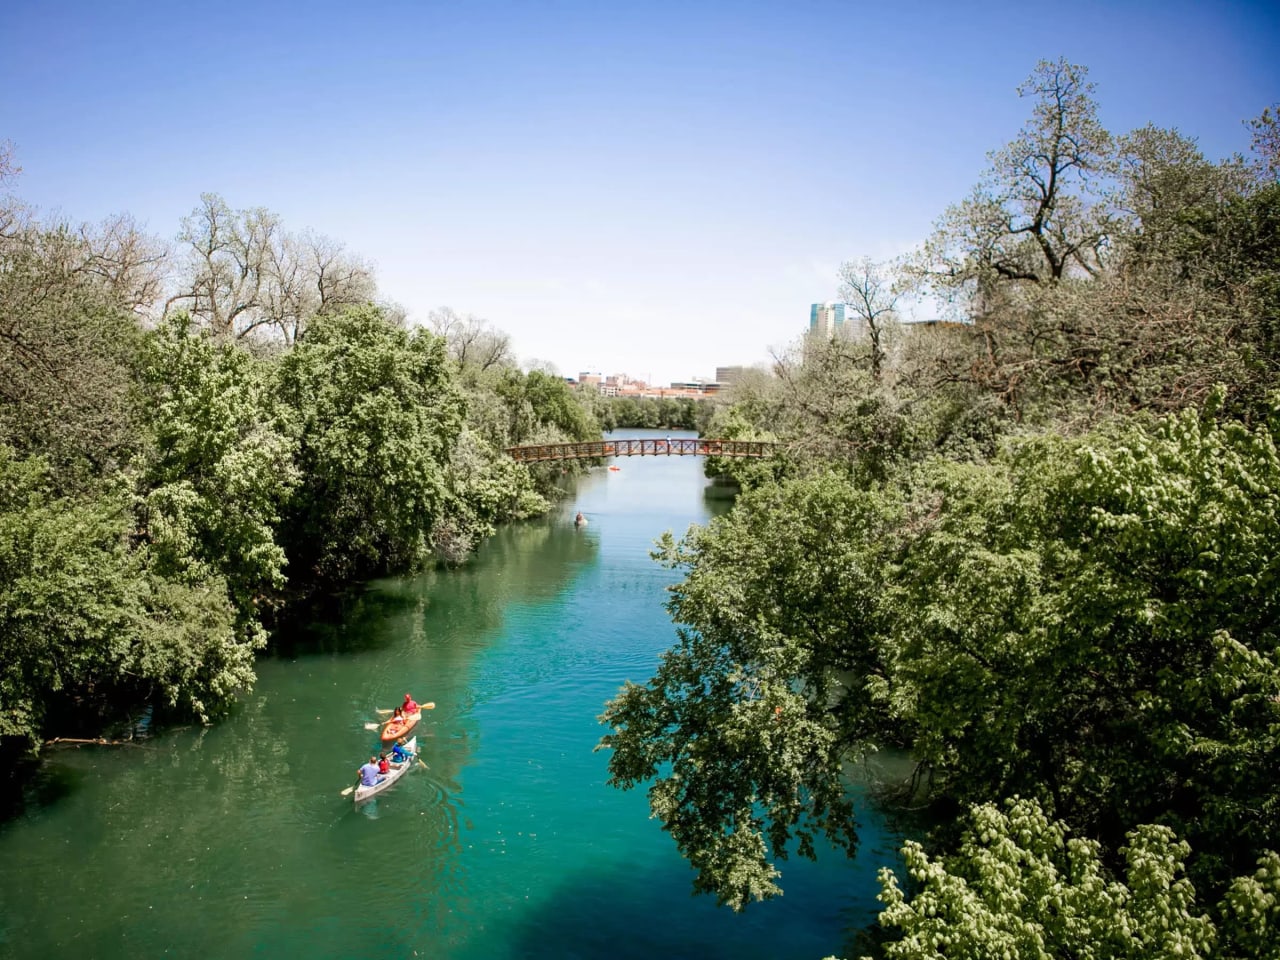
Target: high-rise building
[826, 318]
[835, 319]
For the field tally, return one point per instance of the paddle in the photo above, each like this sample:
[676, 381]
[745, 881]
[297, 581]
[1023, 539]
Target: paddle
[370, 725]
[421, 706]
[347, 792]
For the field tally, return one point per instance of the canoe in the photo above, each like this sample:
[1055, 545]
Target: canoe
[397, 771]
[396, 729]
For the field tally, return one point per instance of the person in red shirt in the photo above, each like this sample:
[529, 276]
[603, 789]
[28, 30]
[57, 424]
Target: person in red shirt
[383, 765]
[409, 706]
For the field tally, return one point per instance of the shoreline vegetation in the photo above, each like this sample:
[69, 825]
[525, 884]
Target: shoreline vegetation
[1030, 545]
[196, 436]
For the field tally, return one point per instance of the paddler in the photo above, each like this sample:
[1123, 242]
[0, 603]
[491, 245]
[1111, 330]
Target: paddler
[369, 775]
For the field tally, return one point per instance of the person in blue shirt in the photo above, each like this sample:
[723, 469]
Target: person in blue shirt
[400, 753]
[369, 774]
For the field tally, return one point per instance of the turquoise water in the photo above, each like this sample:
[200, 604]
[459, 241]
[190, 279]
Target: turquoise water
[233, 841]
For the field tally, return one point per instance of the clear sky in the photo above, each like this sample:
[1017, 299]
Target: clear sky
[654, 188]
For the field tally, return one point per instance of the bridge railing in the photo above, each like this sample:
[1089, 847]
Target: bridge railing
[672, 447]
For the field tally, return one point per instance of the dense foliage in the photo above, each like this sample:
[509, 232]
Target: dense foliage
[1021, 886]
[87, 618]
[1031, 547]
[375, 412]
[652, 413]
[186, 442]
[1086, 621]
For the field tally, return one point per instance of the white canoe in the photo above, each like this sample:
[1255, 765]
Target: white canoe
[397, 771]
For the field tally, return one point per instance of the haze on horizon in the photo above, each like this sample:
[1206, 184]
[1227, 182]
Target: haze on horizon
[656, 189]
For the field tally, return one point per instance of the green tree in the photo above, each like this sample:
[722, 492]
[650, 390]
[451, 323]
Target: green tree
[486, 488]
[67, 353]
[553, 403]
[1088, 622]
[375, 411]
[1021, 886]
[217, 469]
[747, 723]
[86, 621]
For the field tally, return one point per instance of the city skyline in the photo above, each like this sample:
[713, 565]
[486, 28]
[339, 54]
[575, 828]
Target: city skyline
[661, 189]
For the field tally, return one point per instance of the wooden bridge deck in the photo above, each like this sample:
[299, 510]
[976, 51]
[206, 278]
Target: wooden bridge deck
[680, 447]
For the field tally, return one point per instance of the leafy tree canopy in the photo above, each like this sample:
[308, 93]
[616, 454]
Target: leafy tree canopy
[1021, 886]
[82, 613]
[218, 468]
[374, 411]
[1088, 622]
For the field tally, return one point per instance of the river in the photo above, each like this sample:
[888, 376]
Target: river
[232, 840]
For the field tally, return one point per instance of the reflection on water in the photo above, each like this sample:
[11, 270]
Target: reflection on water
[234, 841]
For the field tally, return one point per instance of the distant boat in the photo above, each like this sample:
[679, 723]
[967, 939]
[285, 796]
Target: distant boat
[615, 468]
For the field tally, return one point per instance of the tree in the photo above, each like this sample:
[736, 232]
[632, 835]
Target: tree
[67, 351]
[867, 288]
[1041, 211]
[84, 619]
[375, 413]
[218, 468]
[1265, 137]
[12, 213]
[245, 275]
[834, 409]
[545, 410]
[1086, 622]
[747, 723]
[486, 487]
[1165, 186]
[473, 342]
[1020, 885]
[131, 265]
[1066, 626]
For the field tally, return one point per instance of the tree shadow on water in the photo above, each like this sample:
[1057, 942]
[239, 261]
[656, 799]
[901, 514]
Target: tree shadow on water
[642, 914]
[528, 561]
[31, 785]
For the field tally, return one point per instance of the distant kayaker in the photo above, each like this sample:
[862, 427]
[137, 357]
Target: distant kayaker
[580, 521]
[409, 706]
[369, 774]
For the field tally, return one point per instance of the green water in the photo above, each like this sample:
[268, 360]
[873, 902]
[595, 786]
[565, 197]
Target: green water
[233, 841]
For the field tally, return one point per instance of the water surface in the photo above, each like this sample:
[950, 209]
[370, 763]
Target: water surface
[233, 841]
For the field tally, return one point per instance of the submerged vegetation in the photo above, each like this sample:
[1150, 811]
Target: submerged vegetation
[1031, 544]
[190, 437]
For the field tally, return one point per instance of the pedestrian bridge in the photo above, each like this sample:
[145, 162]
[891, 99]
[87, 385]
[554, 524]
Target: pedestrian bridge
[595, 449]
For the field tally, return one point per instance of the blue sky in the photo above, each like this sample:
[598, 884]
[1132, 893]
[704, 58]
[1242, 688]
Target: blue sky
[653, 188]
